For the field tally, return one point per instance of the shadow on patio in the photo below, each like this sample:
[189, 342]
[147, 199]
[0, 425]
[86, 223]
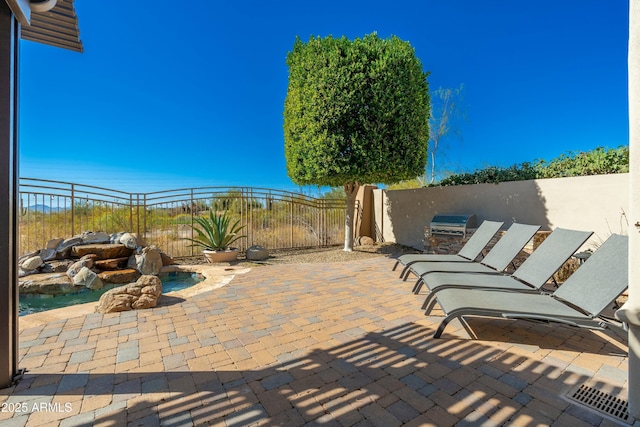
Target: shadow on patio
[399, 376]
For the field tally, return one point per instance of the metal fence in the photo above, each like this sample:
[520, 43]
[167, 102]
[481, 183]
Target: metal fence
[272, 218]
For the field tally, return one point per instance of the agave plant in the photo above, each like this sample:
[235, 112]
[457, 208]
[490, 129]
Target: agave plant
[215, 233]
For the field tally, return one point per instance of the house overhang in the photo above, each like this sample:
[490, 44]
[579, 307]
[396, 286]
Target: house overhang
[52, 22]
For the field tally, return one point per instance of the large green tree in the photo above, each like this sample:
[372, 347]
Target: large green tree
[356, 111]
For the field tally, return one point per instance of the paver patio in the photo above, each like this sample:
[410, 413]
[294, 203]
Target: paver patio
[307, 344]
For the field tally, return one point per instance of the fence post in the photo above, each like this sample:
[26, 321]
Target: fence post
[291, 222]
[144, 215]
[250, 221]
[73, 209]
[192, 209]
[131, 212]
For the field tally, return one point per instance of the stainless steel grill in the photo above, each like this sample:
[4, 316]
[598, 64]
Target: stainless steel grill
[452, 224]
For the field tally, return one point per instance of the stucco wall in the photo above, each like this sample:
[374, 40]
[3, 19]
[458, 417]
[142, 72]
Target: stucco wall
[594, 203]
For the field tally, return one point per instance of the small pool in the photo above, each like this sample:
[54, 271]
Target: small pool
[36, 303]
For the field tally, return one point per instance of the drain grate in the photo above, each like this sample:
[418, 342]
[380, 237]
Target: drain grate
[601, 402]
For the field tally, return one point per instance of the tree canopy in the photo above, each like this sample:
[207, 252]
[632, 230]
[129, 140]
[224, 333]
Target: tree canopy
[356, 111]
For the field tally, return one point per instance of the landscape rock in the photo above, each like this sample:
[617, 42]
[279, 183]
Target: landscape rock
[111, 264]
[46, 268]
[46, 284]
[84, 262]
[48, 254]
[146, 261]
[31, 263]
[257, 253]
[144, 293]
[366, 241]
[129, 240]
[119, 277]
[87, 279]
[59, 266]
[28, 255]
[166, 259]
[64, 248]
[90, 237]
[115, 237]
[23, 273]
[103, 251]
[53, 243]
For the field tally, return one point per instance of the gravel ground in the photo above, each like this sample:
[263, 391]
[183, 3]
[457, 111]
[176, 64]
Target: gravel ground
[314, 255]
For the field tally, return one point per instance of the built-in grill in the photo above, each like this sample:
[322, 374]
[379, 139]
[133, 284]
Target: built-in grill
[452, 224]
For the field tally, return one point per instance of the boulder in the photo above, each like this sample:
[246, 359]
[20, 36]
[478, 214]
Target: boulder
[31, 263]
[111, 264]
[103, 251]
[53, 243]
[115, 237]
[146, 261]
[87, 279]
[60, 266]
[129, 240]
[22, 273]
[166, 259]
[144, 293]
[64, 248]
[28, 255]
[46, 268]
[48, 254]
[90, 237]
[257, 253]
[84, 262]
[366, 241]
[46, 284]
[119, 277]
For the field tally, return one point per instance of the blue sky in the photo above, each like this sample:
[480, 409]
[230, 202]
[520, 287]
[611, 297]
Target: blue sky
[169, 96]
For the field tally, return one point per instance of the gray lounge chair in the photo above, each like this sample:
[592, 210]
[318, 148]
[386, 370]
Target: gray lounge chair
[468, 253]
[498, 258]
[578, 302]
[534, 272]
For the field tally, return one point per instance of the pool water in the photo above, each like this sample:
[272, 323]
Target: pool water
[36, 303]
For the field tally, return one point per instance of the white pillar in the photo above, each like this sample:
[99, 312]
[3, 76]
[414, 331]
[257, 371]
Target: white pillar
[630, 312]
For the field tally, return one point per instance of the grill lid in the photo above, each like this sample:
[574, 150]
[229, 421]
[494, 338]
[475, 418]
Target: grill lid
[452, 219]
[452, 224]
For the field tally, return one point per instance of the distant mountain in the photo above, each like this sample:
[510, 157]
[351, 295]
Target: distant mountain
[44, 209]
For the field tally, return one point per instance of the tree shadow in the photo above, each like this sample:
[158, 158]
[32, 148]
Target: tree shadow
[405, 214]
[392, 377]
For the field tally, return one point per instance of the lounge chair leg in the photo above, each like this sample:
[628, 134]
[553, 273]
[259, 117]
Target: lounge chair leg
[405, 273]
[396, 266]
[417, 286]
[443, 325]
[432, 303]
[428, 301]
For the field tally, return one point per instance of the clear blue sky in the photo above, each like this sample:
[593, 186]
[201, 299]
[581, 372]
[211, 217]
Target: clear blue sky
[176, 94]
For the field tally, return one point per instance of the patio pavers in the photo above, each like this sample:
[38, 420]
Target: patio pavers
[337, 344]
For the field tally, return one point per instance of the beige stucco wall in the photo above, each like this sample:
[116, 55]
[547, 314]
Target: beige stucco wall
[594, 203]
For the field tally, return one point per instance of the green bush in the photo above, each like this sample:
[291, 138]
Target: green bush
[596, 162]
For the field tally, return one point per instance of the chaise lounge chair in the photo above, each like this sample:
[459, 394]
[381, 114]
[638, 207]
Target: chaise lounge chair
[578, 302]
[469, 252]
[498, 258]
[534, 272]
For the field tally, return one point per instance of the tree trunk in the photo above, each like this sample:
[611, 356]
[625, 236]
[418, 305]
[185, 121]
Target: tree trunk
[351, 189]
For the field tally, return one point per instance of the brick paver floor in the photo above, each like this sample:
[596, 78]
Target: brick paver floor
[337, 344]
